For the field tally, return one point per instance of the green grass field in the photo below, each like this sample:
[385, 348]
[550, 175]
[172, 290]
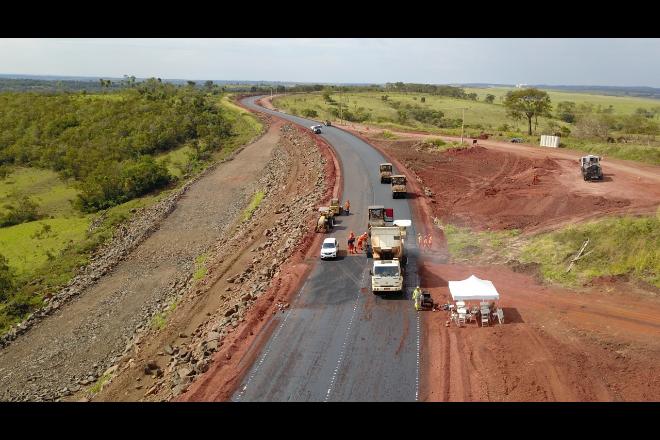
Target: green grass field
[626, 245]
[44, 187]
[617, 246]
[28, 245]
[481, 116]
[620, 104]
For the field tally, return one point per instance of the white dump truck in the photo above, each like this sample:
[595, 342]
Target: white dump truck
[387, 247]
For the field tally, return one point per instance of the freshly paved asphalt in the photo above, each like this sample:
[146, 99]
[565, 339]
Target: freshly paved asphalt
[337, 341]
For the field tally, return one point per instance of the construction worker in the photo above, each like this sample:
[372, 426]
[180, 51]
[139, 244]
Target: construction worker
[347, 207]
[351, 243]
[429, 241]
[419, 240]
[417, 296]
[360, 242]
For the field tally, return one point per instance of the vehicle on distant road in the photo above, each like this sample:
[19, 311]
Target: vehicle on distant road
[517, 140]
[329, 248]
[328, 123]
[316, 128]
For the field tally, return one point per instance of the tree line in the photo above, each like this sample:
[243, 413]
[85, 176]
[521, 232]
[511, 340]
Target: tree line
[107, 142]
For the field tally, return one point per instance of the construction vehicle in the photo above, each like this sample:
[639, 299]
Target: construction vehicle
[326, 220]
[335, 207]
[591, 169]
[385, 172]
[378, 215]
[386, 246]
[398, 186]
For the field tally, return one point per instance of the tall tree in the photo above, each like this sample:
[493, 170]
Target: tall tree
[530, 103]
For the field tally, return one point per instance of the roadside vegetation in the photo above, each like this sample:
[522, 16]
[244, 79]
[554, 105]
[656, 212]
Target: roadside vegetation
[611, 126]
[254, 204]
[73, 166]
[618, 246]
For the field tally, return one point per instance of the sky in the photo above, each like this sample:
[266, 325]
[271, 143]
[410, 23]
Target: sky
[613, 62]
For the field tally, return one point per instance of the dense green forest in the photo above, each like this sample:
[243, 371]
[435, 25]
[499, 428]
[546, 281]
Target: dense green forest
[106, 142]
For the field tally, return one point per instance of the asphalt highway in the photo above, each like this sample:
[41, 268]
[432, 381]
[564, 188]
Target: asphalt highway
[338, 341]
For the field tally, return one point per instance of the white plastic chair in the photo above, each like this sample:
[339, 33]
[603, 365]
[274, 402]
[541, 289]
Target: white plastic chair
[500, 316]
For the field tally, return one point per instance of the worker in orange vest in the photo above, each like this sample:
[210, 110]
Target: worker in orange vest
[351, 243]
[347, 207]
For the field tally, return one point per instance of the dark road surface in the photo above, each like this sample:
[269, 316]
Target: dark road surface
[338, 341]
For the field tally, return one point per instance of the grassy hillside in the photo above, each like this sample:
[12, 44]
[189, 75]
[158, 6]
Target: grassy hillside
[620, 104]
[39, 256]
[628, 246]
[617, 246]
[406, 111]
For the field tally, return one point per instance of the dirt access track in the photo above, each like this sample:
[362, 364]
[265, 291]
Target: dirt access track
[81, 340]
[601, 343]
[199, 354]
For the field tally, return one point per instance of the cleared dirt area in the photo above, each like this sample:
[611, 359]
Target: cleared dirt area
[494, 186]
[602, 344]
[598, 343]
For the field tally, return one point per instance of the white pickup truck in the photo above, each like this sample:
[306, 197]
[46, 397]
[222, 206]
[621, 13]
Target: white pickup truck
[316, 128]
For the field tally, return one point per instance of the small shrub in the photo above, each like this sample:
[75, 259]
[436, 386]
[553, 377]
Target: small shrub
[24, 211]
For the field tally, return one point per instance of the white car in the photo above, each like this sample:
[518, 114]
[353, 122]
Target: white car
[316, 128]
[329, 248]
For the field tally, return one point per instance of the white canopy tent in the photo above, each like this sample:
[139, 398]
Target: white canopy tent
[473, 289]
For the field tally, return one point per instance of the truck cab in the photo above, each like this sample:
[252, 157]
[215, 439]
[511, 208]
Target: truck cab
[378, 215]
[386, 276]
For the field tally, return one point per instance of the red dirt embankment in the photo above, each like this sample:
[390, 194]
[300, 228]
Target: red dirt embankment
[486, 188]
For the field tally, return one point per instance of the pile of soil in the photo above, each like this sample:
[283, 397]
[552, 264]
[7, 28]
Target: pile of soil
[486, 189]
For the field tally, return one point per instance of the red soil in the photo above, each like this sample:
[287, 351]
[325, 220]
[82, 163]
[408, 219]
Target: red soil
[487, 188]
[554, 345]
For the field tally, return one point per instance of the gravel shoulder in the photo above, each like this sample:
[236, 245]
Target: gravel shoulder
[74, 346]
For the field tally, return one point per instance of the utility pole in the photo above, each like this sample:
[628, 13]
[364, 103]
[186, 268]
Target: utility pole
[341, 103]
[462, 121]
[462, 125]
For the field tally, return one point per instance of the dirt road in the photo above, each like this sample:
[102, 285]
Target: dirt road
[87, 335]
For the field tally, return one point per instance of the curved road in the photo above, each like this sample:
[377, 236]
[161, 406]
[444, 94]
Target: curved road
[337, 341]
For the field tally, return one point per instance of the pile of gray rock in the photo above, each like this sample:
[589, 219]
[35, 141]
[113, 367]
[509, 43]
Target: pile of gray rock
[291, 222]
